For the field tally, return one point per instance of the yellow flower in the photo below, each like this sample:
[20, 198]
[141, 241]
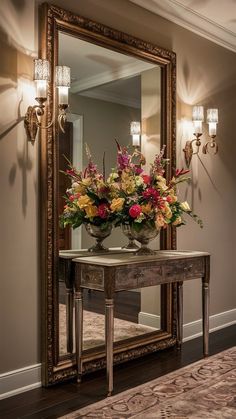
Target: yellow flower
[84, 201]
[117, 204]
[146, 209]
[91, 211]
[185, 206]
[167, 211]
[161, 183]
[87, 181]
[139, 180]
[78, 187]
[160, 221]
[128, 183]
[178, 221]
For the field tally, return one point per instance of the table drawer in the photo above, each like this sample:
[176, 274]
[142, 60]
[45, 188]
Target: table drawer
[92, 277]
[184, 269]
[137, 277]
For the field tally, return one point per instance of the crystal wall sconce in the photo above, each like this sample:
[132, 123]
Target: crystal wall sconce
[32, 120]
[135, 132]
[198, 119]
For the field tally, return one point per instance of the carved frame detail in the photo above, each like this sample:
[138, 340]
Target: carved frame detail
[52, 20]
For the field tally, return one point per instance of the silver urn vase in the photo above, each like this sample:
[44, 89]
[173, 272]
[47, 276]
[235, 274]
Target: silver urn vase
[99, 233]
[143, 235]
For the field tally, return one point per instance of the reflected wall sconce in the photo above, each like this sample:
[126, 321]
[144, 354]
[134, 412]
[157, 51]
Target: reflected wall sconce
[135, 131]
[32, 120]
[198, 119]
[212, 120]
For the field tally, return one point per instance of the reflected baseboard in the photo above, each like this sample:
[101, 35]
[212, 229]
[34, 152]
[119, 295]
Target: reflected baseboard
[151, 320]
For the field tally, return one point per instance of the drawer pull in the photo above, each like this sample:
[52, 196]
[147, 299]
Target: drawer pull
[188, 268]
[138, 275]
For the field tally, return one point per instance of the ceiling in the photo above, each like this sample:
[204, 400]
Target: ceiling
[212, 19]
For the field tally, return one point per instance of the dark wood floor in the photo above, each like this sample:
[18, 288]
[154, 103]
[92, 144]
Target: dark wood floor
[62, 399]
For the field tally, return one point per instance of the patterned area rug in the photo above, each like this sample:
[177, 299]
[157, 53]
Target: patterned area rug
[94, 332]
[203, 390]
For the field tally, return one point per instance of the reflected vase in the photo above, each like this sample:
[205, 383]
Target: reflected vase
[99, 233]
[144, 234]
[131, 244]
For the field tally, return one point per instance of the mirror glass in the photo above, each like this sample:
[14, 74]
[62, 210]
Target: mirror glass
[108, 91]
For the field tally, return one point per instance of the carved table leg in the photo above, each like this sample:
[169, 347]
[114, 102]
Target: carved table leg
[79, 331]
[179, 314]
[69, 319]
[205, 316]
[109, 327]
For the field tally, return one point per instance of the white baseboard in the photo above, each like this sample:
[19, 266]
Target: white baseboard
[217, 321]
[28, 378]
[19, 381]
[151, 320]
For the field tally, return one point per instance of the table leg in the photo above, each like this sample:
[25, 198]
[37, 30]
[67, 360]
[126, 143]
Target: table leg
[109, 328]
[205, 316]
[179, 314]
[79, 332]
[69, 319]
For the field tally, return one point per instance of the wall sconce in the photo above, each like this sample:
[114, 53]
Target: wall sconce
[135, 131]
[212, 120]
[198, 119]
[32, 120]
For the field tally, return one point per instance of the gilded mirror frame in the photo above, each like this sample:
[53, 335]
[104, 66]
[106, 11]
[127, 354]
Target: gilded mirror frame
[53, 20]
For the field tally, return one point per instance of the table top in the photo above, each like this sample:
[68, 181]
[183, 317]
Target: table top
[77, 253]
[127, 258]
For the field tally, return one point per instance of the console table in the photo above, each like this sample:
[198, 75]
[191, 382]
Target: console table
[125, 271]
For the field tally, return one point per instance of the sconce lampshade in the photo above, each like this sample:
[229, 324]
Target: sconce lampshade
[198, 113]
[41, 77]
[62, 76]
[198, 118]
[212, 115]
[135, 128]
[63, 83]
[41, 70]
[135, 131]
[212, 119]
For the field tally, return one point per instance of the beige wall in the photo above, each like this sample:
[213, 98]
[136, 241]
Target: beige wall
[206, 74]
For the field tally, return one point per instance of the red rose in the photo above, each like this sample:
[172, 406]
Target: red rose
[146, 178]
[135, 211]
[103, 211]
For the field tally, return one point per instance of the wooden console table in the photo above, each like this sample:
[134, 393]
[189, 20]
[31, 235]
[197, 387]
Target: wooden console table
[125, 271]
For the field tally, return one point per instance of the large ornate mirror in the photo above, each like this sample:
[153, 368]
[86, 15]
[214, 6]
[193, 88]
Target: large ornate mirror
[115, 79]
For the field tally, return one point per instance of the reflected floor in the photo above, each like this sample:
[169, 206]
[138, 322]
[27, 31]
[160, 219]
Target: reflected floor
[93, 335]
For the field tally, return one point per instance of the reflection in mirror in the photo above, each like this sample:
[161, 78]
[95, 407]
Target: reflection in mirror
[108, 91]
[136, 313]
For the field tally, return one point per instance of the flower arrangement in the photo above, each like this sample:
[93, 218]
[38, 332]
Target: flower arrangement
[87, 201]
[138, 198]
[129, 197]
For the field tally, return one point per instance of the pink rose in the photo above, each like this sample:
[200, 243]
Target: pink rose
[135, 211]
[103, 211]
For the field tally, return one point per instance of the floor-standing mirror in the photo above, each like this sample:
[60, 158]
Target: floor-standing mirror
[115, 79]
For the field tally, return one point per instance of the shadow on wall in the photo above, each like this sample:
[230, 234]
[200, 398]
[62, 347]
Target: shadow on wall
[16, 87]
